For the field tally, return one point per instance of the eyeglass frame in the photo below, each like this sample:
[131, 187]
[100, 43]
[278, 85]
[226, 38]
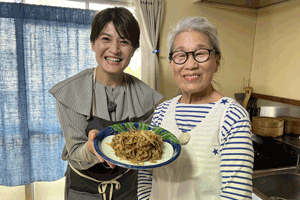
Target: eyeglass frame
[193, 53]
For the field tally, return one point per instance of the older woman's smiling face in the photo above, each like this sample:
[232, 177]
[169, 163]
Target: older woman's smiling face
[193, 77]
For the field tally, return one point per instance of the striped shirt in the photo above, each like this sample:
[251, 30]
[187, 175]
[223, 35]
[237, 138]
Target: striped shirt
[236, 150]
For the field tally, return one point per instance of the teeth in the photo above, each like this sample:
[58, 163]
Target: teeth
[113, 59]
[194, 76]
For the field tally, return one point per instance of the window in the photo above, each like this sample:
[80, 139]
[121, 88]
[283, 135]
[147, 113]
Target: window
[58, 3]
[134, 67]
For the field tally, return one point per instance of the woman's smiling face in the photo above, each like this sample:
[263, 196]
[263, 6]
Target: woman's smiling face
[193, 77]
[112, 52]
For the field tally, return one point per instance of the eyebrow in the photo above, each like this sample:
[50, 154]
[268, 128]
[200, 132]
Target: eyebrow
[180, 48]
[105, 34]
[123, 38]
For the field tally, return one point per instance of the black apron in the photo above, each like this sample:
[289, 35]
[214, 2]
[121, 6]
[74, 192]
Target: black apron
[78, 187]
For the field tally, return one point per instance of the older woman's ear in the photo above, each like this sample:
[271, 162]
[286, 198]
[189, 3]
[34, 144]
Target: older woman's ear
[218, 57]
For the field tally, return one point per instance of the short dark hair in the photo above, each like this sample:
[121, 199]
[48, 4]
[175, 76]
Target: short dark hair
[123, 20]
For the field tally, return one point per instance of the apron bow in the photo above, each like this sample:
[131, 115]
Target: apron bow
[103, 185]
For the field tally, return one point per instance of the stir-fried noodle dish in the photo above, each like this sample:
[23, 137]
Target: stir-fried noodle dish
[138, 146]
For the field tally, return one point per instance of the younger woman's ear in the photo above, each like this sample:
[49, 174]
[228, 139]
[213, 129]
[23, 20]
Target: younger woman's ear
[93, 45]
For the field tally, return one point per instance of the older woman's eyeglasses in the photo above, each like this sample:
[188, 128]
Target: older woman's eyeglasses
[200, 55]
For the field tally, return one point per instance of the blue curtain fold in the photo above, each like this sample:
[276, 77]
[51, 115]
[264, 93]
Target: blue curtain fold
[39, 46]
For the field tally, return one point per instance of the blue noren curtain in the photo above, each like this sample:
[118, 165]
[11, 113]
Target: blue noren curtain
[39, 46]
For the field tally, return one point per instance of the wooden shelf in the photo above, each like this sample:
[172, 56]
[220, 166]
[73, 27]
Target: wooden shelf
[276, 99]
[252, 4]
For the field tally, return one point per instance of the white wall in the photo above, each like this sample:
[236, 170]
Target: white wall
[261, 45]
[43, 191]
[236, 29]
[50, 190]
[12, 193]
[276, 58]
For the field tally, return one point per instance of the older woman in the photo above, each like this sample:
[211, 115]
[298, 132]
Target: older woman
[217, 154]
[96, 98]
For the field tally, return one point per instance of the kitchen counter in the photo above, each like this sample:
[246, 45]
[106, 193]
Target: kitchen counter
[289, 139]
[277, 152]
[282, 182]
[292, 140]
[274, 156]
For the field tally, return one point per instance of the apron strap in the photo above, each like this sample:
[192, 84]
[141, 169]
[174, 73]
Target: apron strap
[102, 187]
[103, 184]
[94, 79]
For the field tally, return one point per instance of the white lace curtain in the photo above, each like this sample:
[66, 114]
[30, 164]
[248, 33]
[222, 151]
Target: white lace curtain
[149, 14]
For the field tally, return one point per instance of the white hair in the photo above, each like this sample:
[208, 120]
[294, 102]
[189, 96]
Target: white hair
[200, 24]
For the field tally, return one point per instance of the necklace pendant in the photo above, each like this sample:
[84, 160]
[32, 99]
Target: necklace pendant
[184, 138]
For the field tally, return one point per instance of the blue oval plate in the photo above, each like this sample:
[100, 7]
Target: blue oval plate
[171, 146]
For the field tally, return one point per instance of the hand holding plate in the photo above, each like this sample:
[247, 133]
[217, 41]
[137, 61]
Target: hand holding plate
[90, 146]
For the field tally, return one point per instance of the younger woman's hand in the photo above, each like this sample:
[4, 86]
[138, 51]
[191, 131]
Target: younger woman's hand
[90, 146]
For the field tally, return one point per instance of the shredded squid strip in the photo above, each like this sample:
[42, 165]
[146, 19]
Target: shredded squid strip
[137, 146]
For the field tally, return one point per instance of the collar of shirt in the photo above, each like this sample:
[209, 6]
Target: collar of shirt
[133, 99]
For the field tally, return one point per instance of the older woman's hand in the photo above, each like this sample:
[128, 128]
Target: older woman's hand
[90, 146]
